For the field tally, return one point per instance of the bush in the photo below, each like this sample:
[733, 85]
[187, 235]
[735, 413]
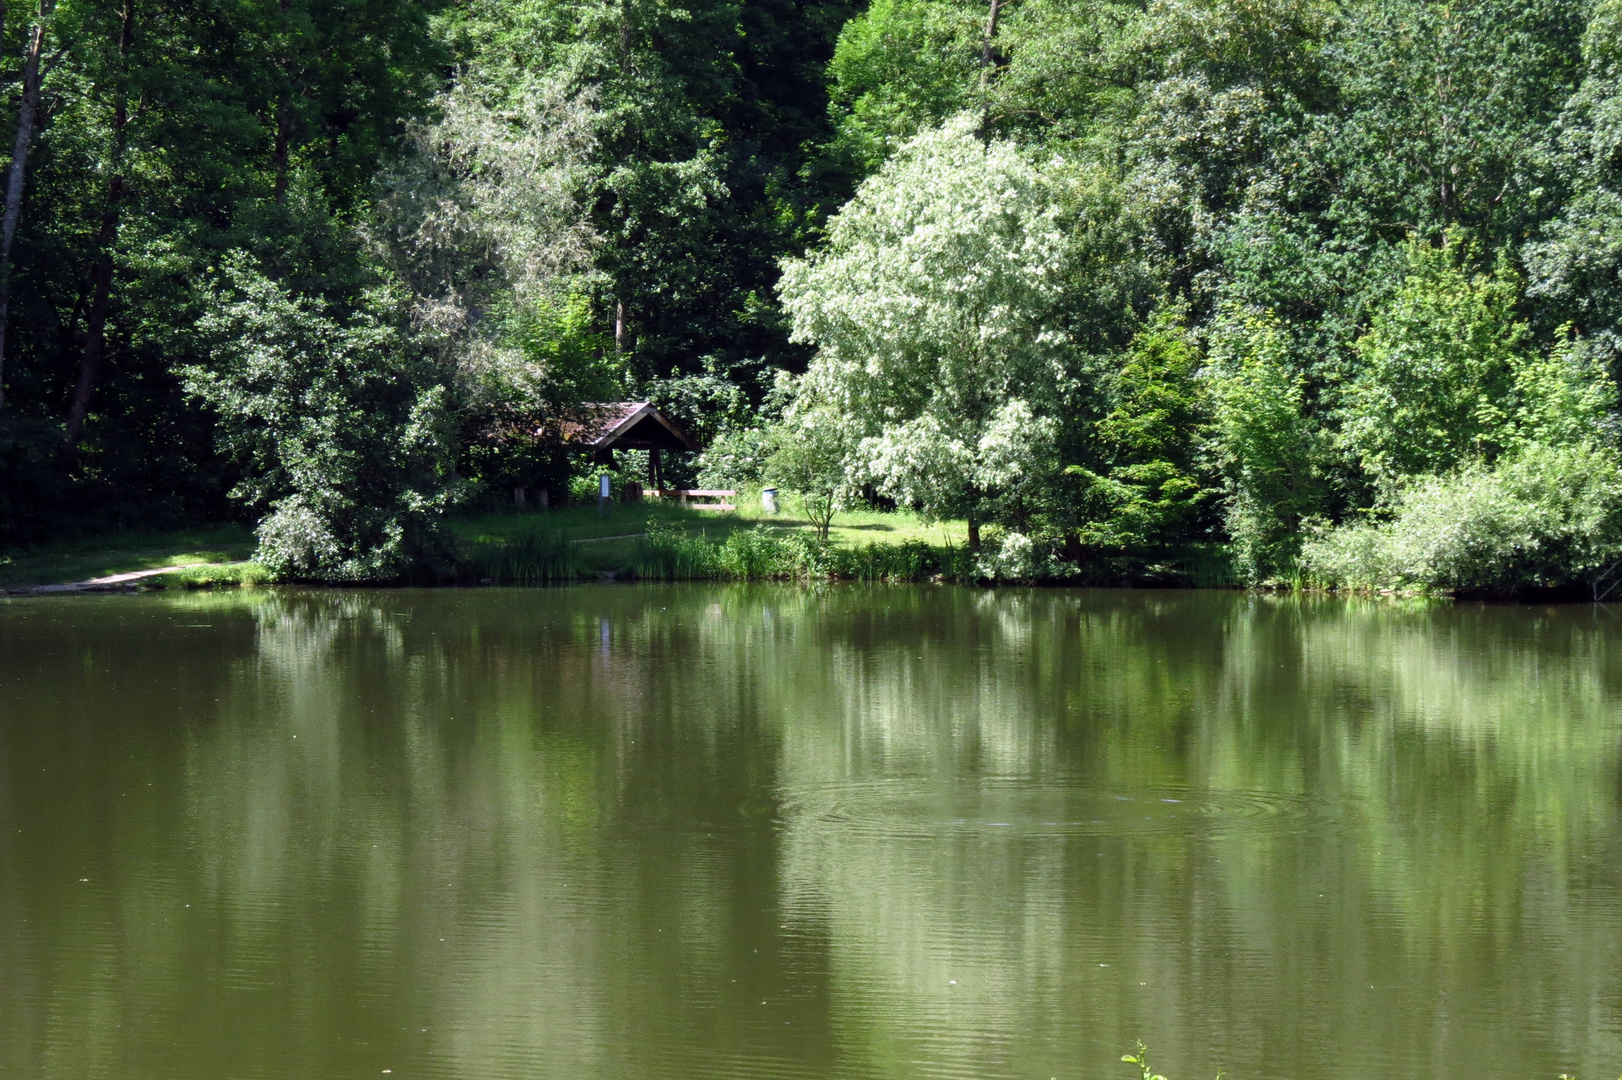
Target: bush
[1549, 517]
[1015, 558]
[757, 554]
[736, 459]
[1354, 556]
[344, 431]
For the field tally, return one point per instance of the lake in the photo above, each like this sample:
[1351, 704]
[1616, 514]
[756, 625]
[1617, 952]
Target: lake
[762, 832]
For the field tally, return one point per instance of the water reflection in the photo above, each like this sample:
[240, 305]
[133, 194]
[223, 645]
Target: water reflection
[771, 832]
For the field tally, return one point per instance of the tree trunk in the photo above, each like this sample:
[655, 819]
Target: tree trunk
[95, 338]
[619, 327]
[988, 51]
[989, 59]
[974, 535]
[26, 113]
[90, 364]
[284, 132]
[284, 119]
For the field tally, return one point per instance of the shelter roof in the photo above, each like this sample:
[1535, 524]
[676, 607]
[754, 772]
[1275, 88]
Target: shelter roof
[623, 425]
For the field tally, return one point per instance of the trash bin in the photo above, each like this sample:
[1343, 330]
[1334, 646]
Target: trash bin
[768, 500]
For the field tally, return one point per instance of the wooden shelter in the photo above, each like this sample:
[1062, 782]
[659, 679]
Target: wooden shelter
[600, 427]
[604, 427]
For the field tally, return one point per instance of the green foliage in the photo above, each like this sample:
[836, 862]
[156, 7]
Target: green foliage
[932, 308]
[1565, 396]
[1446, 113]
[1000, 255]
[736, 459]
[909, 561]
[214, 576]
[704, 116]
[813, 449]
[674, 553]
[344, 433]
[1264, 444]
[1141, 1060]
[901, 66]
[1148, 492]
[1544, 517]
[1439, 366]
[1574, 261]
[1015, 558]
[559, 337]
[534, 556]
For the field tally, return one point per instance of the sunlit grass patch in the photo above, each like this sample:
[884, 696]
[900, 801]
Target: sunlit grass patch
[212, 576]
[104, 556]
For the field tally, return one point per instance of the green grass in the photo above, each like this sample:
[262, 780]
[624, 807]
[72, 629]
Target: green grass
[616, 541]
[123, 553]
[531, 547]
[211, 576]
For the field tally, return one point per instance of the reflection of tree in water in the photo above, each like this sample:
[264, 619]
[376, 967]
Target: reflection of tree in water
[1458, 765]
[611, 803]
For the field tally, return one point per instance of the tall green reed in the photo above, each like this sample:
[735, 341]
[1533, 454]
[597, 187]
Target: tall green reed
[535, 557]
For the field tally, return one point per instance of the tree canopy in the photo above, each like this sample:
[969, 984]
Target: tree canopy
[1142, 285]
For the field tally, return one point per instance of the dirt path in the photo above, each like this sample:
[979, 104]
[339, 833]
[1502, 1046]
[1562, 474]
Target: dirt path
[100, 584]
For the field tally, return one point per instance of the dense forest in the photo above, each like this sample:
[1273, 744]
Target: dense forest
[1325, 292]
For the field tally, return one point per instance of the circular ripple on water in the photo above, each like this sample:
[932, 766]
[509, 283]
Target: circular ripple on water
[1021, 807]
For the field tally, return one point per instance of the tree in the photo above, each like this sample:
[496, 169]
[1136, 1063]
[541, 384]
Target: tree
[1264, 444]
[900, 67]
[1147, 492]
[486, 221]
[342, 427]
[933, 308]
[1576, 260]
[1446, 114]
[35, 67]
[813, 445]
[706, 114]
[1438, 366]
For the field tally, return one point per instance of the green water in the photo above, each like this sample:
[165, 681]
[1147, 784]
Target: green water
[689, 832]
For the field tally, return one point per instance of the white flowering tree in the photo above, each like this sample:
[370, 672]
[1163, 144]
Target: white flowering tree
[932, 308]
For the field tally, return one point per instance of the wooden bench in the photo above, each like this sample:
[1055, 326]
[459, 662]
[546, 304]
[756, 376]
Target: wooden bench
[687, 495]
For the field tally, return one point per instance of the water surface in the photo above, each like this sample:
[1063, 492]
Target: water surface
[624, 832]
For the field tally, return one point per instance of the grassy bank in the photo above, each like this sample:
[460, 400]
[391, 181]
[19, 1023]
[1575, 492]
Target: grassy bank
[217, 555]
[652, 540]
[663, 541]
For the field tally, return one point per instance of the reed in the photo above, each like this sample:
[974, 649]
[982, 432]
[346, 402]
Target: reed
[535, 557]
